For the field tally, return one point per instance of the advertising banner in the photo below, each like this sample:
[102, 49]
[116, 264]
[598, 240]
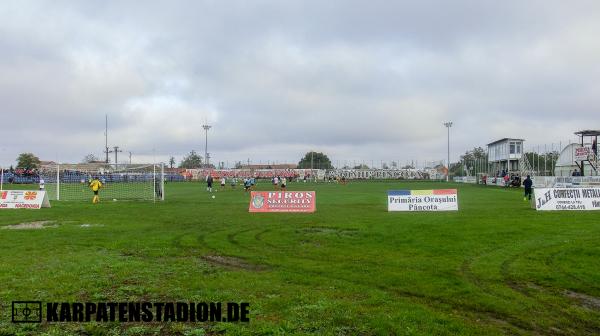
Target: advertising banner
[423, 200]
[23, 199]
[282, 201]
[385, 174]
[582, 153]
[567, 198]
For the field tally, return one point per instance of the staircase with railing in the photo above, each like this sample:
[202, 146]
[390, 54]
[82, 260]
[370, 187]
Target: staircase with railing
[593, 160]
[525, 166]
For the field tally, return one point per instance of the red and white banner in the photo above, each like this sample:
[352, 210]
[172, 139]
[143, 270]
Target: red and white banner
[282, 201]
[23, 199]
[582, 153]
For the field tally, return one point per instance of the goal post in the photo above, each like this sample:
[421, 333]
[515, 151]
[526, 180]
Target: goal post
[125, 182]
[162, 181]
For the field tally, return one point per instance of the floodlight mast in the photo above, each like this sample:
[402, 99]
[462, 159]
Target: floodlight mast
[448, 125]
[206, 128]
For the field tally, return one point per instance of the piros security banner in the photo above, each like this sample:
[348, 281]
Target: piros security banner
[282, 201]
[23, 199]
[567, 198]
[423, 200]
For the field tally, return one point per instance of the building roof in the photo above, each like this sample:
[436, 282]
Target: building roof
[588, 133]
[504, 139]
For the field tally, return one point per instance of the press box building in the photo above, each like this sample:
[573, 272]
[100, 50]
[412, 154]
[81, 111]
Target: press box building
[504, 154]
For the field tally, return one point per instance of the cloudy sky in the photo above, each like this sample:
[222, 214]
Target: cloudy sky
[358, 80]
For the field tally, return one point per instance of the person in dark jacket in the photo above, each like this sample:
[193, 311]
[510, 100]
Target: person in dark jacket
[527, 183]
[209, 182]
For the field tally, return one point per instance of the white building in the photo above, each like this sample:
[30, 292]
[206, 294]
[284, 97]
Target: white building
[566, 164]
[504, 154]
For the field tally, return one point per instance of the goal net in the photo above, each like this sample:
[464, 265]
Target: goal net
[122, 182]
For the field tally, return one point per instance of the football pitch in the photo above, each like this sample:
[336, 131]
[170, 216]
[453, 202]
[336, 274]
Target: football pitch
[351, 268]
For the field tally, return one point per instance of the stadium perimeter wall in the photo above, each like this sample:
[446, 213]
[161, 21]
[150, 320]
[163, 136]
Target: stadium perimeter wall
[319, 174]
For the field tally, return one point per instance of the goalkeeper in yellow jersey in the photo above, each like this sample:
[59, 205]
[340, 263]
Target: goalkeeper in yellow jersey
[95, 185]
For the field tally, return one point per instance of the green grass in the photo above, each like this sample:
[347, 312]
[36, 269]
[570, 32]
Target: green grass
[494, 267]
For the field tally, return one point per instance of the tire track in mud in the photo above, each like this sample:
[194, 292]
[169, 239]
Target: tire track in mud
[223, 253]
[259, 237]
[524, 289]
[231, 237]
[550, 262]
[499, 319]
[470, 277]
[469, 312]
[492, 315]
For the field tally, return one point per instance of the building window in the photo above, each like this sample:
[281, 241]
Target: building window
[519, 148]
[512, 148]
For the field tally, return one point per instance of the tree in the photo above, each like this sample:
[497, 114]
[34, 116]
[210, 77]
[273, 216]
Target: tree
[315, 160]
[541, 161]
[385, 166]
[171, 162]
[191, 161]
[28, 160]
[476, 153]
[361, 166]
[90, 158]
[471, 162]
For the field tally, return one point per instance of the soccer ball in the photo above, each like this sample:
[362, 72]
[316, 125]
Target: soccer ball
[114, 199]
[213, 196]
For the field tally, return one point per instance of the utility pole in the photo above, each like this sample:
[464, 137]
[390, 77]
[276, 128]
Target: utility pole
[106, 150]
[116, 151]
[206, 128]
[129, 157]
[448, 125]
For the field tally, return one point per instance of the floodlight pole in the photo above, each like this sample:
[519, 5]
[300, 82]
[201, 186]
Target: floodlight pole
[206, 128]
[448, 125]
